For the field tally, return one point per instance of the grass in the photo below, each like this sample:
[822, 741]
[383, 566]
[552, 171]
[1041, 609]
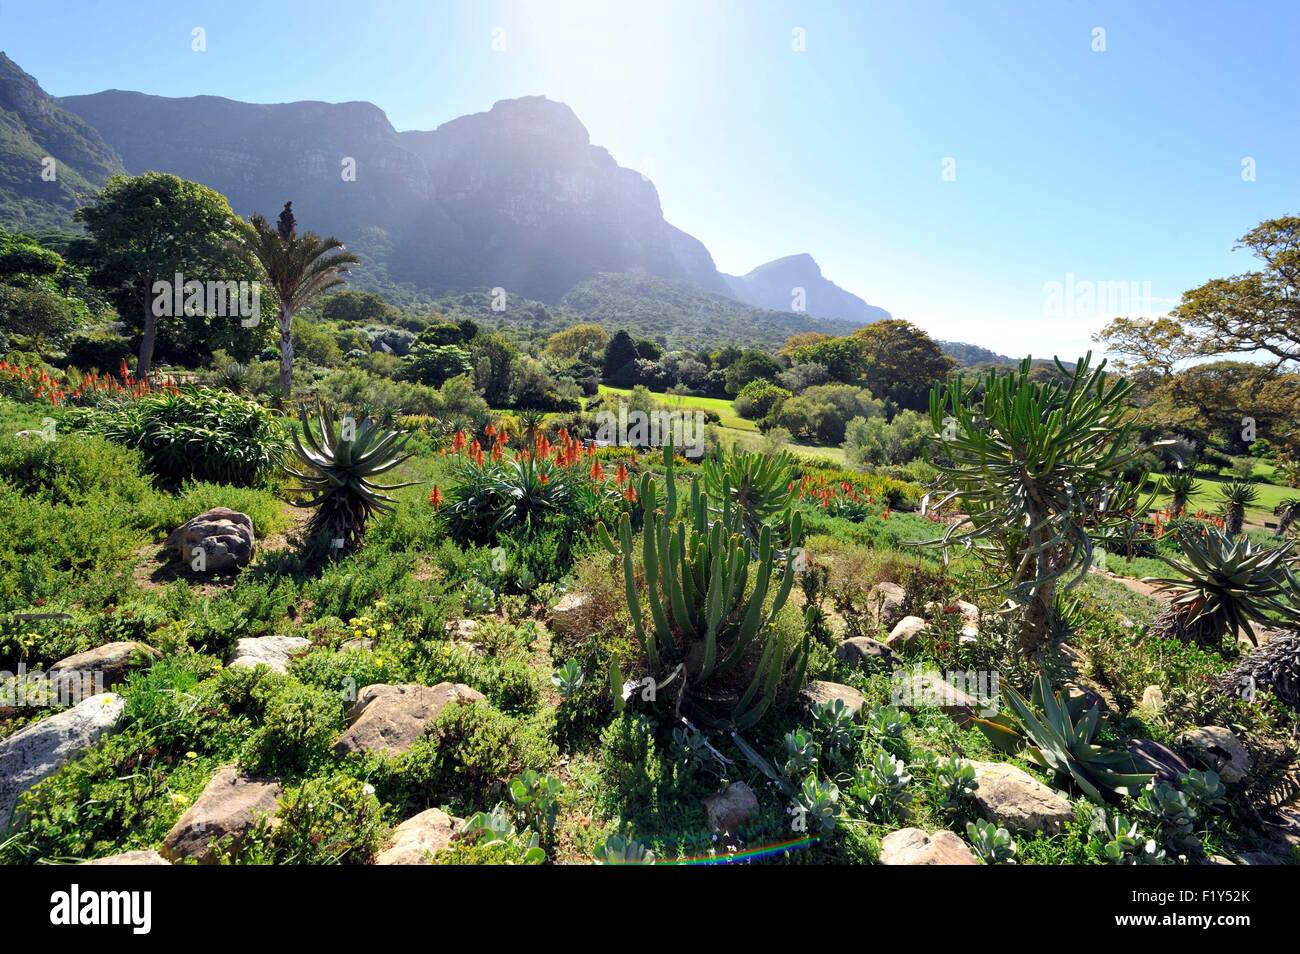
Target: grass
[1210, 495]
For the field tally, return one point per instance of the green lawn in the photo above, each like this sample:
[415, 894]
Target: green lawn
[1210, 496]
[734, 430]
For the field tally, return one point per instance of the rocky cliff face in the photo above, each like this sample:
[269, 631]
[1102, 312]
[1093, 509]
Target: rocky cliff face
[773, 286]
[516, 197]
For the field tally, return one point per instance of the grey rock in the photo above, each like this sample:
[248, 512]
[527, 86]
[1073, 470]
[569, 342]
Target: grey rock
[416, 839]
[571, 616]
[271, 651]
[862, 652]
[820, 691]
[225, 536]
[105, 665]
[147, 857]
[885, 604]
[1016, 800]
[731, 808]
[912, 846]
[1220, 750]
[905, 633]
[919, 689]
[38, 751]
[392, 718]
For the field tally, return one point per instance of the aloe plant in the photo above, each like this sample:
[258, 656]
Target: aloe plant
[341, 463]
[708, 597]
[1237, 496]
[758, 485]
[1287, 513]
[1058, 737]
[1182, 485]
[1230, 584]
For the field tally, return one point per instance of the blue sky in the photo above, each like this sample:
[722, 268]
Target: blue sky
[1123, 165]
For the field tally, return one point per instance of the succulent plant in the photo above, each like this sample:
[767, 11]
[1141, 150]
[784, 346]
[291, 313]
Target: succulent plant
[957, 780]
[618, 850]
[835, 726]
[538, 797]
[1059, 738]
[1275, 666]
[1123, 844]
[1231, 583]
[1287, 513]
[706, 617]
[1237, 496]
[757, 485]
[887, 724]
[568, 679]
[340, 466]
[800, 755]
[1181, 484]
[881, 787]
[991, 844]
[817, 804]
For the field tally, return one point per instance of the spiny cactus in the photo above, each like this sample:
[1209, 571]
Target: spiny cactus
[698, 567]
[759, 485]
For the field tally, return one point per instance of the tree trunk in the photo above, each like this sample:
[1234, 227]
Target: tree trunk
[145, 361]
[286, 351]
[1036, 625]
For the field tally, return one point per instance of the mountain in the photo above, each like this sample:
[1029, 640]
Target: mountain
[34, 127]
[775, 286]
[969, 355]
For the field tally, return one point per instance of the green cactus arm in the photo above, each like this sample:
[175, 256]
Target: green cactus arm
[633, 600]
[654, 591]
[673, 577]
[602, 534]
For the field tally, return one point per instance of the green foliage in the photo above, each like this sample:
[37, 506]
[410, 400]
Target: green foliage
[759, 398]
[875, 442]
[298, 726]
[199, 434]
[880, 788]
[618, 850]
[324, 821]
[991, 844]
[1237, 497]
[1230, 584]
[696, 573]
[759, 486]
[340, 465]
[1037, 467]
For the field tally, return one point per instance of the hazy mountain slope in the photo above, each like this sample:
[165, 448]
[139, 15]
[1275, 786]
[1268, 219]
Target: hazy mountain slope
[773, 286]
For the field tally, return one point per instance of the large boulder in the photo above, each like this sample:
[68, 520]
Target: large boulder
[105, 666]
[1217, 748]
[416, 839]
[38, 751]
[862, 652]
[571, 616]
[905, 633]
[885, 603]
[1016, 800]
[391, 718]
[224, 537]
[147, 857]
[820, 691]
[731, 808]
[912, 846]
[228, 808]
[271, 651]
[918, 689]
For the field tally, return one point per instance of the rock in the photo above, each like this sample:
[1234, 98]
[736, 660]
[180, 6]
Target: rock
[105, 666]
[885, 604]
[148, 857]
[1257, 858]
[357, 644]
[271, 651]
[905, 632]
[731, 808]
[969, 611]
[1218, 860]
[929, 689]
[912, 846]
[1016, 800]
[392, 718]
[224, 536]
[970, 633]
[229, 806]
[38, 751]
[414, 840]
[462, 630]
[821, 691]
[1217, 748]
[1160, 760]
[571, 616]
[1153, 698]
[861, 652]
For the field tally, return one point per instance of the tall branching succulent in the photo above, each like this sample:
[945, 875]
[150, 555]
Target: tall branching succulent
[758, 485]
[341, 463]
[1038, 467]
[1237, 496]
[1230, 584]
[706, 617]
[1287, 513]
[1182, 485]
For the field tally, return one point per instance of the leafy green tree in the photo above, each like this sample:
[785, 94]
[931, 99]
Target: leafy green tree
[758, 398]
[299, 268]
[38, 314]
[620, 351]
[902, 362]
[493, 357]
[433, 364]
[149, 228]
[845, 359]
[1150, 345]
[751, 366]
[1256, 311]
[348, 306]
[1038, 469]
[875, 441]
[582, 341]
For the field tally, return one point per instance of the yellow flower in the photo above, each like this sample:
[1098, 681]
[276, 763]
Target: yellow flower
[372, 632]
[179, 799]
[191, 755]
[380, 604]
[388, 627]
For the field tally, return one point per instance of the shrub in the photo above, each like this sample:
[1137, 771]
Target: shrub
[200, 434]
[759, 398]
[323, 821]
[298, 725]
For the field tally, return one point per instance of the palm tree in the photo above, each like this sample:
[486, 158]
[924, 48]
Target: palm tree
[1182, 484]
[1237, 496]
[1287, 513]
[299, 268]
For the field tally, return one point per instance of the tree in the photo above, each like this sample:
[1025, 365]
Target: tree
[150, 228]
[579, 342]
[620, 351]
[844, 359]
[493, 356]
[299, 268]
[37, 313]
[800, 340]
[433, 364]
[1149, 344]
[358, 307]
[902, 362]
[1257, 311]
[751, 366]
